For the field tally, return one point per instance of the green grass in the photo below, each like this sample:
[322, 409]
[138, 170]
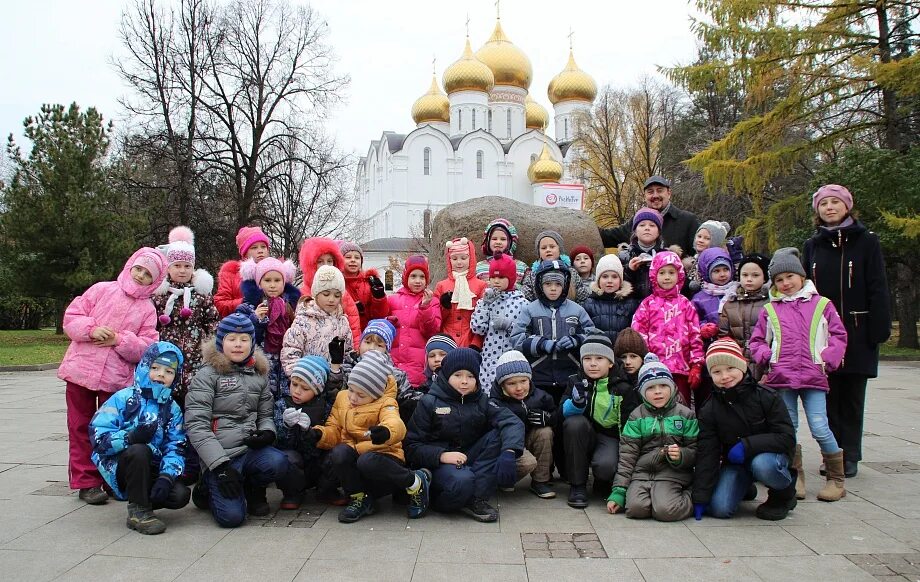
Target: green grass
[891, 349]
[31, 347]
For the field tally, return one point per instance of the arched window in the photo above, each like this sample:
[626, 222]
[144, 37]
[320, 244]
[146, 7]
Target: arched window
[474, 120]
[565, 134]
[508, 121]
[479, 164]
[388, 280]
[490, 121]
[427, 161]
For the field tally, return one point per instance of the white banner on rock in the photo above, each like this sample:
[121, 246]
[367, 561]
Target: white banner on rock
[559, 196]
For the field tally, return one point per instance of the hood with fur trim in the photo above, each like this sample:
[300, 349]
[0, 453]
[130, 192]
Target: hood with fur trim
[223, 365]
[310, 252]
[623, 292]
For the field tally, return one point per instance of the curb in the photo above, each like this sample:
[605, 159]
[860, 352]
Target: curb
[32, 368]
[899, 359]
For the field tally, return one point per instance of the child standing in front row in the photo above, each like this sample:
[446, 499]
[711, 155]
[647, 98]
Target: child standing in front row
[109, 327]
[800, 338]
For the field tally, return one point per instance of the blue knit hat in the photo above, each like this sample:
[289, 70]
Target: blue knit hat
[440, 341]
[313, 370]
[236, 322]
[382, 329]
[654, 372]
[461, 359]
[512, 364]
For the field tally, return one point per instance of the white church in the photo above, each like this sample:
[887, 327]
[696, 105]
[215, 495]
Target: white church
[481, 135]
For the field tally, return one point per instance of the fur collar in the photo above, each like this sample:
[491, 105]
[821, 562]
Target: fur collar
[623, 292]
[202, 281]
[224, 366]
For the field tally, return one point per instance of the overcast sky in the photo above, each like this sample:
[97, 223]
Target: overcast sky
[58, 51]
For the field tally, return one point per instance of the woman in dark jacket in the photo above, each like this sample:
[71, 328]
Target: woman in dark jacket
[844, 260]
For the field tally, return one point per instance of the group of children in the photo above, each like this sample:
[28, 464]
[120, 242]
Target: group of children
[675, 404]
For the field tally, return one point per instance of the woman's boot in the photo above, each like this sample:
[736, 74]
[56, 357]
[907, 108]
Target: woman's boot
[834, 489]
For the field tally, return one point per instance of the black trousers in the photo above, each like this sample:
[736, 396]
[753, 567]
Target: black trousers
[373, 473]
[136, 473]
[314, 471]
[846, 405]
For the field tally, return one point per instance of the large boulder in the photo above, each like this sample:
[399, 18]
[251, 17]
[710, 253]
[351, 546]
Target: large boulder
[470, 217]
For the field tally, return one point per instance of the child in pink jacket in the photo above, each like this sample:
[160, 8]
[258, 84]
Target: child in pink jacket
[110, 326]
[670, 326]
[416, 317]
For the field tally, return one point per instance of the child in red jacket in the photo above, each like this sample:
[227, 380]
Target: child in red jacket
[252, 244]
[459, 293]
[365, 287]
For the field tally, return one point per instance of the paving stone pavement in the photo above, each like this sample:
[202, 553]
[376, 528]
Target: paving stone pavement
[874, 533]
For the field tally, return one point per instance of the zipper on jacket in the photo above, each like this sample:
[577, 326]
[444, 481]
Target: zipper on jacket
[552, 313]
[850, 279]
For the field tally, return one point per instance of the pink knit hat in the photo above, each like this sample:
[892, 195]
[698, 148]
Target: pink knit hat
[834, 190]
[253, 271]
[181, 247]
[248, 236]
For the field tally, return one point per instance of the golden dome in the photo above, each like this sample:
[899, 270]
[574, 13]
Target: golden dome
[572, 84]
[536, 115]
[544, 169]
[468, 74]
[433, 106]
[509, 64]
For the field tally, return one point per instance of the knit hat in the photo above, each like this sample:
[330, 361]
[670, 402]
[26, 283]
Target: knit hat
[168, 359]
[382, 329]
[503, 265]
[786, 260]
[725, 352]
[512, 364]
[253, 271]
[553, 276]
[248, 236]
[327, 278]
[415, 263]
[654, 372]
[440, 341]
[314, 370]
[647, 213]
[347, 247]
[553, 235]
[758, 259]
[609, 263]
[458, 246]
[150, 261]
[717, 232]
[181, 247]
[369, 375]
[236, 322]
[598, 345]
[834, 190]
[582, 249]
[629, 341]
[461, 359]
[509, 230]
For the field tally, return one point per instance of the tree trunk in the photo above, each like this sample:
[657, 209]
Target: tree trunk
[894, 139]
[59, 307]
[907, 298]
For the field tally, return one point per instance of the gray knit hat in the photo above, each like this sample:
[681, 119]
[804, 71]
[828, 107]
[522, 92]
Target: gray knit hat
[598, 345]
[369, 375]
[553, 235]
[786, 260]
[654, 372]
[717, 232]
[512, 364]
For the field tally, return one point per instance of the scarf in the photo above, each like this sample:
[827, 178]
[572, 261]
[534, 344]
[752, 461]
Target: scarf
[726, 292]
[804, 293]
[277, 324]
[462, 296]
[848, 221]
[174, 293]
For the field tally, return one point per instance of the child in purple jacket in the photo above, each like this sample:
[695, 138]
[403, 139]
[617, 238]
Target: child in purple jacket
[800, 337]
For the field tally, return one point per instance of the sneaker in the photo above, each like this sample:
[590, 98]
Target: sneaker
[480, 510]
[542, 490]
[256, 502]
[578, 496]
[361, 504]
[291, 501]
[142, 520]
[201, 497]
[94, 496]
[332, 497]
[418, 501]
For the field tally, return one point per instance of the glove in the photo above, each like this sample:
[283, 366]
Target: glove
[337, 350]
[379, 434]
[579, 397]
[695, 376]
[228, 481]
[490, 295]
[259, 439]
[506, 469]
[312, 436]
[377, 289]
[548, 346]
[698, 510]
[292, 416]
[538, 417]
[141, 434]
[501, 323]
[709, 330]
[445, 299]
[359, 306]
[566, 342]
[161, 488]
[737, 454]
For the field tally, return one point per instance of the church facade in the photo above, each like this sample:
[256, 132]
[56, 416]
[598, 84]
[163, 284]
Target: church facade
[482, 134]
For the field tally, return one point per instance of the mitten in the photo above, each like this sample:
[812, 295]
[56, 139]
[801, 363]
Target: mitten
[698, 510]
[548, 346]
[709, 330]
[737, 454]
[379, 434]
[337, 350]
[377, 289]
[312, 436]
[538, 417]
[161, 488]
[695, 376]
[618, 496]
[490, 295]
[579, 397]
[228, 481]
[259, 439]
[445, 299]
[359, 306]
[506, 469]
[501, 323]
[293, 416]
[141, 434]
[566, 342]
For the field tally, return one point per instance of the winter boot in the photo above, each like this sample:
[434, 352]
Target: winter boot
[361, 504]
[800, 480]
[578, 496]
[201, 497]
[835, 487]
[256, 501]
[779, 501]
[94, 495]
[142, 520]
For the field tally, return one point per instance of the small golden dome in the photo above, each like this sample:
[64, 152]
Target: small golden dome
[544, 169]
[509, 64]
[433, 106]
[468, 74]
[572, 84]
[536, 115]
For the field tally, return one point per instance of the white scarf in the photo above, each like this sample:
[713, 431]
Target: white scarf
[462, 296]
[174, 293]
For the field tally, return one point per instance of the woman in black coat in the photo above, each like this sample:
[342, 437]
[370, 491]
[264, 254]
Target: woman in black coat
[844, 260]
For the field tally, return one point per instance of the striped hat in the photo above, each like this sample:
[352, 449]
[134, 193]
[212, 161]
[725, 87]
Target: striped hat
[313, 370]
[370, 374]
[654, 372]
[725, 352]
[236, 322]
[440, 341]
[512, 364]
[598, 345]
[382, 329]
